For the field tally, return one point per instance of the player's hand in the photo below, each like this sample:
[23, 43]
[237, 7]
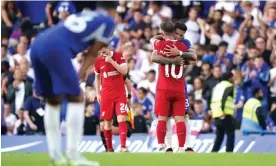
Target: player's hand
[253, 74]
[108, 59]
[178, 61]
[33, 127]
[171, 50]
[15, 84]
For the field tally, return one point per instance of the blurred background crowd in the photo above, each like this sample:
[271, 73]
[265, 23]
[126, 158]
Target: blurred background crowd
[237, 37]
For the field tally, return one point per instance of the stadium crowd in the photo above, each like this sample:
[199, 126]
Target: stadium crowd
[237, 37]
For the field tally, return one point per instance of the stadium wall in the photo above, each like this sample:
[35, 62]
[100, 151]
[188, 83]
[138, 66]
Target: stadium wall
[140, 143]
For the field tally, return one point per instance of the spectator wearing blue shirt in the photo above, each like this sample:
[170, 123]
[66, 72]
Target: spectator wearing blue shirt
[199, 110]
[64, 9]
[34, 113]
[144, 100]
[224, 59]
[239, 98]
[271, 17]
[137, 27]
[211, 56]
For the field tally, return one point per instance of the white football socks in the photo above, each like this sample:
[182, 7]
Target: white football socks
[168, 138]
[52, 128]
[74, 124]
[188, 133]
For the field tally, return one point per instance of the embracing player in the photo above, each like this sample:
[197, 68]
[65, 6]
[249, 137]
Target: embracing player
[180, 29]
[56, 77]
[109, 68]
[170, 96]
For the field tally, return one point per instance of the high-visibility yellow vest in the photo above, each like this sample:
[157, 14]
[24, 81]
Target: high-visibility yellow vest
[250, 108]
[130, 118]
[216, 100]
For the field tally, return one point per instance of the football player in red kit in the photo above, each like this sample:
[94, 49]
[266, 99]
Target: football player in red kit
[110, 67]
[170, 96]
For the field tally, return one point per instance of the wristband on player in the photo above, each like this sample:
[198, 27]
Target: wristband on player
[129, 96]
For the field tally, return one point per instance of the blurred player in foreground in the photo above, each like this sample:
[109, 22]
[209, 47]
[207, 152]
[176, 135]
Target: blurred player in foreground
[170, 95]
[110, 67]
[56, 77]
[180, 29]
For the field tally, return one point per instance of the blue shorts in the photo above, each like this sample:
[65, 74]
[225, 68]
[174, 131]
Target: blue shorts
[54, 71]
[187, 101]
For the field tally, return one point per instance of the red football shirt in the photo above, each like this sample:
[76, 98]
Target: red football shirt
[170, 77]
[111, 79]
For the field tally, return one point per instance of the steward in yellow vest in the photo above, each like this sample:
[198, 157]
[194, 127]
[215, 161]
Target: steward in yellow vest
[253, 117]
[222, 108]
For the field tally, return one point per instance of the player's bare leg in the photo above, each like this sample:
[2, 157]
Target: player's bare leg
[52, 128]
[168, 138]
[74, 123]
[181, 131]
[161, 132]
[108, 134]
[122, 131]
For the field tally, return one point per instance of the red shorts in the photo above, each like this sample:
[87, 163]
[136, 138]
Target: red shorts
[168, 103]
[110, 104]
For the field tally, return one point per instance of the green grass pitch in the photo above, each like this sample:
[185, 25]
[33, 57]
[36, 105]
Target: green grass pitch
[149, 159]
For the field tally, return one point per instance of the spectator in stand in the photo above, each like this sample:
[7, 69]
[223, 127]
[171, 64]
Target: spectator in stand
[199, 112]
[10, 118]
[210, 82]
[198, 88]
[10, 17]
[5, 56]
[224, 60]
[27, 72]
[239, 98]
[146, 103]
[230, 35]
[135, 75]
[91, 121]
[192, 33]
[18, 91]
[49, 10]
[3, 121]
[140, 125]
[21, 52]
[211, 56]
[150, 82]
[137, 27]
[34, 114]
[261, 45]
[20, 124]
[272, 84]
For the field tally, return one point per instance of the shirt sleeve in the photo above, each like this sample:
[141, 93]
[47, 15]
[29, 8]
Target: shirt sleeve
[28, 104]
[120, 58]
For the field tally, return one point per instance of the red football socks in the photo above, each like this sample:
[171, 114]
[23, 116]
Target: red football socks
[161, 131]
[123, 133]
[181, 133]
[108, 139]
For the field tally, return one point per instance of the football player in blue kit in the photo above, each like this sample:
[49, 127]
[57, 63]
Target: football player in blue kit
[56, 78]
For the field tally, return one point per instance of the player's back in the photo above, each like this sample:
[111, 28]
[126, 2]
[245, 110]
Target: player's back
[79, 31]
[171, 77]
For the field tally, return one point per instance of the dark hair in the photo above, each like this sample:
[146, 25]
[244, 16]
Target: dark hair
[145, 91]
[106, 4]
[255, 91]
[220, 11]
[212, 48]
[181, 25]
[131, 59]
[251, 45]
[223, 44]
[167, 27]
[226, 76]
[152, 71]
[4, 45]
[198, 102]
[206, 63]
